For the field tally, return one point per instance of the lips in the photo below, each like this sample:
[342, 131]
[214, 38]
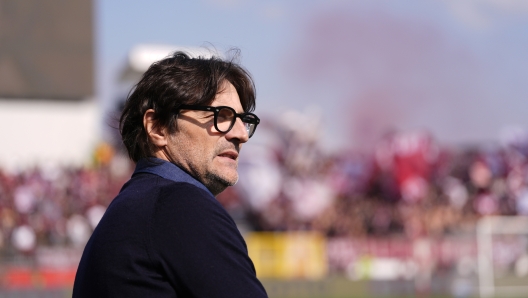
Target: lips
[229, 154]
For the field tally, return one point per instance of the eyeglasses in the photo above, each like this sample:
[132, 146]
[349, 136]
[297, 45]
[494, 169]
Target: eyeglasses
[225, 117]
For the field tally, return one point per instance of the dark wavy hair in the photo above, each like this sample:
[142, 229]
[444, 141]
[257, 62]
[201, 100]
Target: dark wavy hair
[175, 80]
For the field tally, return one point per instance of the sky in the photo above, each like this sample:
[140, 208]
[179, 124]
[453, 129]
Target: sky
[455, 68]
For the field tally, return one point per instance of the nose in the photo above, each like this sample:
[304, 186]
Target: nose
[238, 131]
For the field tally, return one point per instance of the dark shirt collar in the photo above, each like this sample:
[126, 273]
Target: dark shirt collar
[166, 170]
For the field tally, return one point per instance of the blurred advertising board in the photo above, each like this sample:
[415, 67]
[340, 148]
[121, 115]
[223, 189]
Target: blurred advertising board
[288, 255]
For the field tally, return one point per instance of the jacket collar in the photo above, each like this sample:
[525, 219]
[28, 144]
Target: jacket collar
[166, 170]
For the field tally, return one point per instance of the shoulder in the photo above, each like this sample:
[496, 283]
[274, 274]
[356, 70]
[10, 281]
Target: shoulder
[166, 195]
[191, 203]
[194, 241]
[188, 221]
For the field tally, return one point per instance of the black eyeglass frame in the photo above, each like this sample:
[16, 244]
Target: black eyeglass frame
[252, 119]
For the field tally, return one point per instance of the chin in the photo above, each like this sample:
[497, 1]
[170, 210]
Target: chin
[218, 182]
[230, 180]
[228, 175]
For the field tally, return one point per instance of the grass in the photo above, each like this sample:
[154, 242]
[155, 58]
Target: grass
[341, 287]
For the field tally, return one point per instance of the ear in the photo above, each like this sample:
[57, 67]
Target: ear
[157, 135]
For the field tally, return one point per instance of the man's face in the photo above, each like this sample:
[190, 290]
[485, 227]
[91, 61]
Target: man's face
[209, 155]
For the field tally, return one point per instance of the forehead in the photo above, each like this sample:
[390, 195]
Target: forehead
[228, 97]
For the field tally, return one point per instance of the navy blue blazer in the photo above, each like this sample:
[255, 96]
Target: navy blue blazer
[165, 235]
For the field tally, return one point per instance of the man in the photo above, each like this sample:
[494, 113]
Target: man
[165, 235]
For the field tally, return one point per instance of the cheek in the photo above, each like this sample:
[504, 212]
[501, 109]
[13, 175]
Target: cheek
[204, 149]
[199, 144]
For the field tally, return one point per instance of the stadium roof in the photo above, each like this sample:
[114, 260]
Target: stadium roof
[46, 49]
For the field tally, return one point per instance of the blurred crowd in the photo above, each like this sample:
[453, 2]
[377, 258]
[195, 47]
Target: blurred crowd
[408, 185]
[50, 206]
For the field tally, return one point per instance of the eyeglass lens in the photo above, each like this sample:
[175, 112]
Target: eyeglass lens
[226, 118]
[249, 123]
